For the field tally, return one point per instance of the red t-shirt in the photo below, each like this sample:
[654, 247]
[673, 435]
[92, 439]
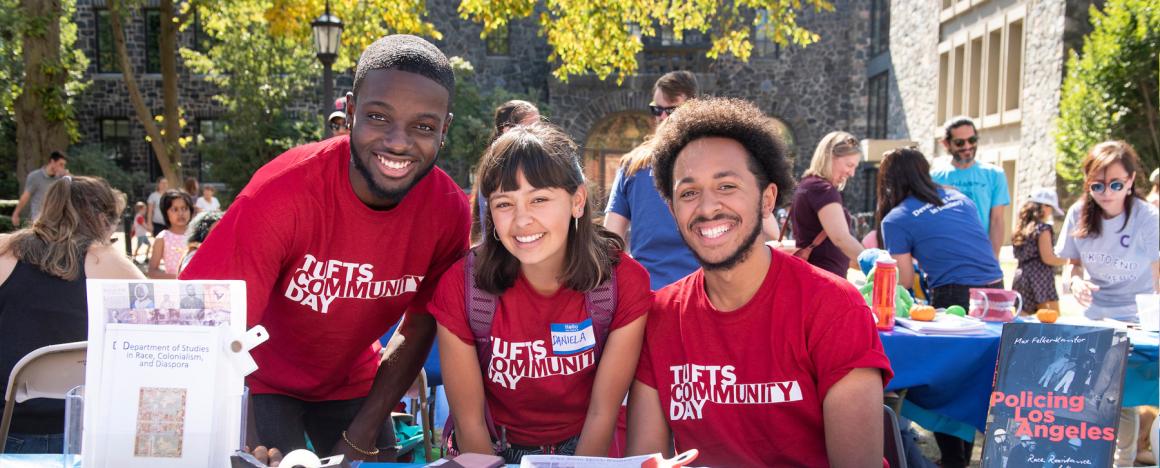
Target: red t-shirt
[325, 274]
[537, 387]
[745, 388]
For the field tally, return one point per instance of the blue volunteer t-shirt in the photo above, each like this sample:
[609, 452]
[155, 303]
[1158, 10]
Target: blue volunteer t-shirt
[983, 183]
[948, 241]
[654, 240]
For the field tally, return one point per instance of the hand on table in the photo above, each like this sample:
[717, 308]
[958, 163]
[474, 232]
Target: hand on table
[269, 456]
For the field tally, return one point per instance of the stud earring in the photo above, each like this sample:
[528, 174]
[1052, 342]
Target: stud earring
[495, 234]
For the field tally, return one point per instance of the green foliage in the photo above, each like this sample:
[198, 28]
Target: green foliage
[604, 36]
[9, 186]
[259, 75]
[92, 160]
[471, 129]
[1111, 89]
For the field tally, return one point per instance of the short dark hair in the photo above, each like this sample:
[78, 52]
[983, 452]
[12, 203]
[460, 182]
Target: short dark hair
[734, 119]
[548, 159]
[57, 156]
[677, 83]
[407, 53]
[509, 114]
[200, 225]
[956, 122]
[167, 201]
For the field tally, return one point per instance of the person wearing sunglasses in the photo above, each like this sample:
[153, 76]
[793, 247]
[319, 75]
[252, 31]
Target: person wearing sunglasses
[984, 183]
[1110, 238]
[336, 123]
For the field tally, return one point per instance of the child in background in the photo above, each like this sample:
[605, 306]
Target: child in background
[140, 230]
[170, 245]
[1033, 247]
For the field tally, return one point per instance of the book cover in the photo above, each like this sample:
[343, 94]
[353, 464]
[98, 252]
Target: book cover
[1057, 395]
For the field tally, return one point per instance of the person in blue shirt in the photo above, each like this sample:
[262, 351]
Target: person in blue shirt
[984, 183]
[939, 227]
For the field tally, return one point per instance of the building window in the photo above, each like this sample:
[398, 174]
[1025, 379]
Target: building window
[106, 60]
[152, 40]
[879, 26]
[878, 105]
[763, 44]
[202, 40]
[1014, 69]
[115, 141]
[498, 42]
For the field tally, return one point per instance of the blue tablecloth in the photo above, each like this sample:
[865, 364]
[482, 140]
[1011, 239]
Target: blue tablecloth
[949, 377]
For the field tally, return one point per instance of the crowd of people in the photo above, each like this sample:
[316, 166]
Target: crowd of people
[551, 327]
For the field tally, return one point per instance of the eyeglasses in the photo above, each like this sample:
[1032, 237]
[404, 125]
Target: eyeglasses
[657, 111]
[1115, 185]
[961, 142]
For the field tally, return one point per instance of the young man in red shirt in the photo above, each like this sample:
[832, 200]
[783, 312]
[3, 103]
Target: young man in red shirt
[758, 358]
[336, 241]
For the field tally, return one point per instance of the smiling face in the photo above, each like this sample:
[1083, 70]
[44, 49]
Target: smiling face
[842, 168]
[1111, 202]
[717, 203]
[399, 122]
[533, 223]
[960, 145]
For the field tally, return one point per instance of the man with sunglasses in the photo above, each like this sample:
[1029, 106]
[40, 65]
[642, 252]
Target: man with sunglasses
[337, 124]
[984, 183]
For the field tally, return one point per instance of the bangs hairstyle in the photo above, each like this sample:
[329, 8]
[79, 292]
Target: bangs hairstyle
[167, 202]
[78, 212]
[548, 159]
[903, 172]
[821, 164]
[1099, 159]
[734, 119]
[407, 53]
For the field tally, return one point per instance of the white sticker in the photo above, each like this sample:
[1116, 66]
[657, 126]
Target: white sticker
[572, 338]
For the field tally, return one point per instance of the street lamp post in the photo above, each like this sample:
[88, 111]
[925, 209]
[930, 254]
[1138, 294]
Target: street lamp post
[327, 38]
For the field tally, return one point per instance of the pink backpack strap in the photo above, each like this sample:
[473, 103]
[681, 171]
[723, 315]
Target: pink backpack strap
[480, 307]
[601, 304]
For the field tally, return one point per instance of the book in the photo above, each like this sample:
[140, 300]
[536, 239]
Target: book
[1057, 396]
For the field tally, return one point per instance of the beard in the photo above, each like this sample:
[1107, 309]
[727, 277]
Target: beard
[963, 157]
[738, 256]
[394, 194]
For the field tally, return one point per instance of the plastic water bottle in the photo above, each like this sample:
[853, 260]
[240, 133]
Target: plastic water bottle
[885, 286]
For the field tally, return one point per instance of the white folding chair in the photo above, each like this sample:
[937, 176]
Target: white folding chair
[48, 372]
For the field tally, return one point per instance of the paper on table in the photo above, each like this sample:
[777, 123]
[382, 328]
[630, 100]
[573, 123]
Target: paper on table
[655, 460]
[943, 324]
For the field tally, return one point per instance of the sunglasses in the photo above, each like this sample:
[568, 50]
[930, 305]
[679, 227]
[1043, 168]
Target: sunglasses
[961, 142]
[335, 126]
[1099, 187]
[657, 111]
[846, 148]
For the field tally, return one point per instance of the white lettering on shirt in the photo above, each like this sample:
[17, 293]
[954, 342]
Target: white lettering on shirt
[317, 283]
[694, 385]
[512, 361]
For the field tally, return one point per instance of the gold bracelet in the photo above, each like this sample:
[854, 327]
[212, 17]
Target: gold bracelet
[359, 450]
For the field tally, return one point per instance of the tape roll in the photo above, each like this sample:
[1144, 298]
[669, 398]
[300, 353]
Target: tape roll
[300, 458]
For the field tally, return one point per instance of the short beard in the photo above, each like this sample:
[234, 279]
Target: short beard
[736, 257]
[960, 159]
[394, 195]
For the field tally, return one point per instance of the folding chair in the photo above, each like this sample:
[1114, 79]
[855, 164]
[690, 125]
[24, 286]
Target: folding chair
[48, 372]
[893, 451]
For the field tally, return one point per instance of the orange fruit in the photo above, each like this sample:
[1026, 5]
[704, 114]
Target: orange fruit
[922, 313]
[1047, 315]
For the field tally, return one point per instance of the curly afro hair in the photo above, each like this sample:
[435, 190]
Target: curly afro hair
[734, 119]
[407, 53]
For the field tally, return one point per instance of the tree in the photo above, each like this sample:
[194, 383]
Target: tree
[1111, 89]
[165, 139]
[39, 81]
[586, 36]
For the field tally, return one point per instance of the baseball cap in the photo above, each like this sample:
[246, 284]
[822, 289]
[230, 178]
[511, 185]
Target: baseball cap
[1046, 196]
[336, 114]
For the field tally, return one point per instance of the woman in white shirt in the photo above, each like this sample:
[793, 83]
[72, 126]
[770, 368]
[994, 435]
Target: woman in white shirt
[207, 202]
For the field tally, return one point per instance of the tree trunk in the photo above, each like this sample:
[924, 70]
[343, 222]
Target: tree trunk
[37, 132]
[167, 151]
[172, 113]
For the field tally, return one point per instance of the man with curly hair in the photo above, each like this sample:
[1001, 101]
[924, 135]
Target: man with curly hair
[758, 358]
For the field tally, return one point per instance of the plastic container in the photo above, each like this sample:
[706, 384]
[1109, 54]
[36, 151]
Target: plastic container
[885, 292]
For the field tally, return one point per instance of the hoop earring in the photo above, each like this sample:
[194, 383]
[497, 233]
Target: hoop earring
[576, 224]
[495, 234]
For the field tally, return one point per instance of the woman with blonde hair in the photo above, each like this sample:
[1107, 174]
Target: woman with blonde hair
[43, 269]
[819, 218]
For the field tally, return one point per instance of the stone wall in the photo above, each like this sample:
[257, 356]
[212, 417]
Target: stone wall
[1042, 77]
[914, 37]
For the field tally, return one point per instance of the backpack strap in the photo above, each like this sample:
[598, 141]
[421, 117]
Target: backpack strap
[480, 307]
[601, 305]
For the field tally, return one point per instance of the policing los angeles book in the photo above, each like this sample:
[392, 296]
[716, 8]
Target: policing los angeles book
[1057, 396]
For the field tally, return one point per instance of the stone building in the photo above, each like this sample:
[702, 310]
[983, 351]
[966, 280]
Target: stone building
[810, 91]
[997, 61]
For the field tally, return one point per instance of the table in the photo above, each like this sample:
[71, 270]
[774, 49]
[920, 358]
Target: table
[948, 378]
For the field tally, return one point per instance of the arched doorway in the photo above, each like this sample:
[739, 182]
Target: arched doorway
[608, 140]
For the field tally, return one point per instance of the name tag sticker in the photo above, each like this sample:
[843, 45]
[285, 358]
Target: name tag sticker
[572, 338]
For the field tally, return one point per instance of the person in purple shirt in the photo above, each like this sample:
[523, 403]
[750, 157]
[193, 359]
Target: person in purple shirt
[817, 204]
